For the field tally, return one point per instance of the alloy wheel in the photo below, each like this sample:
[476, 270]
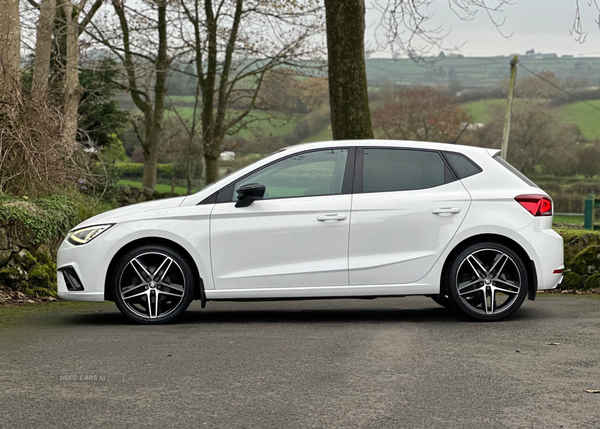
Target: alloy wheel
[489, 282]
[152, 285]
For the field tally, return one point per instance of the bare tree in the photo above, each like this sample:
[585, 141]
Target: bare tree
[10, 53]
[421, 113]
[58, 26]
[139, 39]
[403, 28]
[577, 30]
[233, 44]
[41, 71]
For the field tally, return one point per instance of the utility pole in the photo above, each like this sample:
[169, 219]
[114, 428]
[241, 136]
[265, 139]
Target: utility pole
[511, 93]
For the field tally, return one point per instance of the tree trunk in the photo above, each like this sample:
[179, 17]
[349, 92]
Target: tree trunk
[10, 53]
[212, 168]
[154, 117]
[72, 89]
[348, 94]
[43, 46]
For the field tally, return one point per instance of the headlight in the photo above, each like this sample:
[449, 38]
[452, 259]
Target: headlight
[87, 234]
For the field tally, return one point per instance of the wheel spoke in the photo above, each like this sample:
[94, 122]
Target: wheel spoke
[156, 303]
[164, 292]
[471, 291]
[485, 300]
[504, 282]
[131, 288]
[135, 295]
[143, 267]
[150, 305]
[512, 292]
[503, 257]
[172, 286]
[475, 269]
[165, 271]
[466, 285]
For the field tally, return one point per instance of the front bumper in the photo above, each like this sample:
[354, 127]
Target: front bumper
[90, 263]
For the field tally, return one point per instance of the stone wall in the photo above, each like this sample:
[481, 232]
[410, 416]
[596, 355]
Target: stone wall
[131, 195]
[25, 268]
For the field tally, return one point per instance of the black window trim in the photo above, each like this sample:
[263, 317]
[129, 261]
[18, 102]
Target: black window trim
[456, 175]
[359, 169]
[225, 194]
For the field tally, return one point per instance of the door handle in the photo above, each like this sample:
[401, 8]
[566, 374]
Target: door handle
[331, 218]
[446, 211]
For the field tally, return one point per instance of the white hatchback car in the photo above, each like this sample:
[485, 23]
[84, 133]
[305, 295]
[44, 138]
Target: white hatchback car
[358, 219]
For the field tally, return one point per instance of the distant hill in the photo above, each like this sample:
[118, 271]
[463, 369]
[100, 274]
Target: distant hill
[477, 72]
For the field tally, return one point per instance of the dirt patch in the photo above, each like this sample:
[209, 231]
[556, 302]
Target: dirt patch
[13, 297]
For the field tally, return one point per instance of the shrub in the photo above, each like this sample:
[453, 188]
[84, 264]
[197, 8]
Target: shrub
[42, 220]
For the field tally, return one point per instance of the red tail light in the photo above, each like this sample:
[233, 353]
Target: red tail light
[537, 205]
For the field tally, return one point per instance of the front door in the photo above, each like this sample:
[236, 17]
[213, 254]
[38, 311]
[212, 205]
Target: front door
[297, 236]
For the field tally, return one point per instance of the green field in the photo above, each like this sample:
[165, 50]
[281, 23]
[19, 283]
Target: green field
[474, 71]
[262, 123]
[573, 220]
[159, 187]
[585, 114]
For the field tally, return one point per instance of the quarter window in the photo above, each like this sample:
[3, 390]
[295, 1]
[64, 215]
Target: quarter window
[387, 170]
[305, 174]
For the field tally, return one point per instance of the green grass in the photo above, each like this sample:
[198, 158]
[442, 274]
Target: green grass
[13, 314]
[159, 187]
[586, 116]
[263, 123]
[573, 220]
[324, 135]
[479, 110]
[581, 113]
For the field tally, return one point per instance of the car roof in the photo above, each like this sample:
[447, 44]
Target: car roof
[393, 143]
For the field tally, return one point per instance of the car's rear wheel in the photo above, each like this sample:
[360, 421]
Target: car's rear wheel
[153, 284]
[487, 281]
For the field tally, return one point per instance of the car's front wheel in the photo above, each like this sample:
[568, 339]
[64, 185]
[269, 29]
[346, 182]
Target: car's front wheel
[487, 281]
[153, 284]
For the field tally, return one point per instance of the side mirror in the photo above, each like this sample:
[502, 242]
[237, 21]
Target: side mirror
[248, 193]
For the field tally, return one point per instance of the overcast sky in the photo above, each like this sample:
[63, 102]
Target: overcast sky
[542, 25]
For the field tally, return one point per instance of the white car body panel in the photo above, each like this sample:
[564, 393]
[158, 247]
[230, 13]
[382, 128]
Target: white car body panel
[310, 262]
[396, 238]
[279, 242]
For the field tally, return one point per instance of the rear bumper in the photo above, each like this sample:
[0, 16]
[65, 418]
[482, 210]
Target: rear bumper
[549, 257]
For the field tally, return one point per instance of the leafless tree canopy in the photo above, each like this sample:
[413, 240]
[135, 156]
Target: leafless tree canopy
[405, 24]
[578, 31]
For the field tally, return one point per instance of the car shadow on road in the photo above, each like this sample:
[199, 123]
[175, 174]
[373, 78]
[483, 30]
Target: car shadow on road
[299, 316]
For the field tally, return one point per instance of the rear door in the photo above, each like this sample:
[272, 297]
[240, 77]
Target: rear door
[407, 206]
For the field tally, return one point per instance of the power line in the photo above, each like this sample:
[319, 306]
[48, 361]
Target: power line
[558, 87]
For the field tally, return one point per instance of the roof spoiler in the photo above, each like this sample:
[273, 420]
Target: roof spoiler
[493, 152]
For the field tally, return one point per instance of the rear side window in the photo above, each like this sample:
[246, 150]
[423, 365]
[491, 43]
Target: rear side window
[462, 165]
[514, 171]
[387, 170]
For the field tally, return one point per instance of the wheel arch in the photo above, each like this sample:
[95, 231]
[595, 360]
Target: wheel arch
[496, 238]
[198, 290]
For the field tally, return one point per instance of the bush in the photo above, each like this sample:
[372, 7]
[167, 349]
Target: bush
[42, 220]
[129, 170]
[35, 159]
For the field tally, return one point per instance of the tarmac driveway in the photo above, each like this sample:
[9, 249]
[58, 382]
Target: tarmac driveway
[385, 363]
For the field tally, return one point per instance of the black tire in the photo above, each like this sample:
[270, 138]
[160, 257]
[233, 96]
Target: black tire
[487, 281]
[156, 275]
[442, 300]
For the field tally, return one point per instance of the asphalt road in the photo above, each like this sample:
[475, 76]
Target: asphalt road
[386, 363]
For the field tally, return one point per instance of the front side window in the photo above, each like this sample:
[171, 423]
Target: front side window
[387, 170]
[306, 174]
